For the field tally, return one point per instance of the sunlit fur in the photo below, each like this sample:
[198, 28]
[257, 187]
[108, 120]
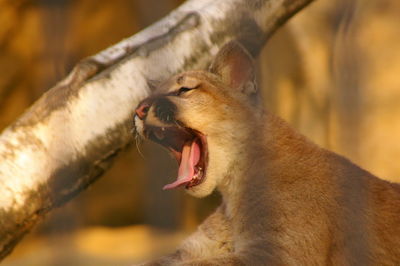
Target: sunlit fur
[194, 110]
[286, 201]
[211, 96]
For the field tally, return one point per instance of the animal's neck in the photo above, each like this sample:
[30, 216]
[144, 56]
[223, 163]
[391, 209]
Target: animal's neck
[249, 155]
[242, 172]
[263, 155]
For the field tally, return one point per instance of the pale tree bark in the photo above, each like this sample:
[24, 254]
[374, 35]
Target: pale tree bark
[68, 138]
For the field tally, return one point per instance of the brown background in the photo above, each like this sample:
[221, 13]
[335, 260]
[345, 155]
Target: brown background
[332, 72]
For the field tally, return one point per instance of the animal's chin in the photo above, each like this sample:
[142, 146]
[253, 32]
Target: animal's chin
[190, 149]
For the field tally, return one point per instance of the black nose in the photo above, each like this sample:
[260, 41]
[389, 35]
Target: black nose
[165, 110]
[141, 110]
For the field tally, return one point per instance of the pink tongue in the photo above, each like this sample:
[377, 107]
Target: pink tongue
[190, 157]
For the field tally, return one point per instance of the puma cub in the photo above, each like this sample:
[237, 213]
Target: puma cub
[286, 201]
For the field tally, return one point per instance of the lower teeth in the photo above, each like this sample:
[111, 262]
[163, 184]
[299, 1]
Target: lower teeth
[196, 176]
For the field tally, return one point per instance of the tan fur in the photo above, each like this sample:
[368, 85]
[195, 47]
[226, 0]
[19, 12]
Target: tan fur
[286, 201]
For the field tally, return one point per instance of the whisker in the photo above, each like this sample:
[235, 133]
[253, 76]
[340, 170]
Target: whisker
[137, 140]
[177, 124]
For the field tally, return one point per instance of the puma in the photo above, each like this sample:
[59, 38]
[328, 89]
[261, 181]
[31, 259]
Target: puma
[286, 201]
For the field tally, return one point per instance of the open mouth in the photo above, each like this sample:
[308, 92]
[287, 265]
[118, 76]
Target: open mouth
[189, 147]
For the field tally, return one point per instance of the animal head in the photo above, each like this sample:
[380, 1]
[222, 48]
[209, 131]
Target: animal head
[202, 117]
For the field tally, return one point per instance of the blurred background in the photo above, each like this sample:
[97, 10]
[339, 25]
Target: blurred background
[332, 72]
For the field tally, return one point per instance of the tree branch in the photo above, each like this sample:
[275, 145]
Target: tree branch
[67, 139]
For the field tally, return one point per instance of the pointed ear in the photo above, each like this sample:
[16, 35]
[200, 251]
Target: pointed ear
[235, 67]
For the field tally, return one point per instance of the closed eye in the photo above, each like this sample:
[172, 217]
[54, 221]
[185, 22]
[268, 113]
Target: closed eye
[183, 90]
